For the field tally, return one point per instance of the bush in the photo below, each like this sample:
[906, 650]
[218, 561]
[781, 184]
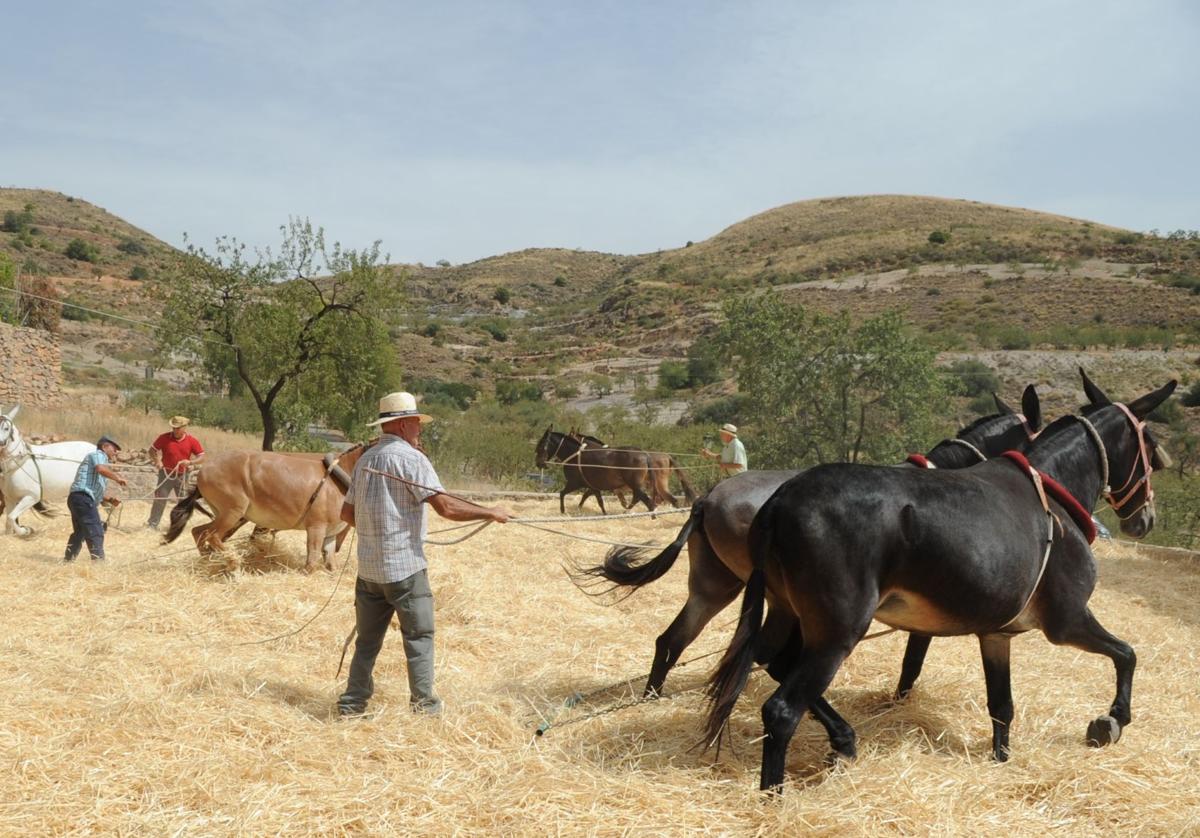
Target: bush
[139, 273]
[452, 392]
[18, 222]
[502, 295]
[560, 282]
[81, 251]
[1191, 396]
[133, 247]
[974, 377]
[672, 375]
[511, 392]
[494, 329]
[938, 237]
[718, 412]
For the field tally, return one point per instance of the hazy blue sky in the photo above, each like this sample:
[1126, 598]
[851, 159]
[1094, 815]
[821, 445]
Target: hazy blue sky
[460, 130]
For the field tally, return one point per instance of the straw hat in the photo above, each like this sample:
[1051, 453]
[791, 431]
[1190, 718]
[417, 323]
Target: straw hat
[729, 428]
[179, 422]
[397, 406]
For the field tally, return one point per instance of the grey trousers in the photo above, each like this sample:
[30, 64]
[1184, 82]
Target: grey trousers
[168, 486]
[374, 604]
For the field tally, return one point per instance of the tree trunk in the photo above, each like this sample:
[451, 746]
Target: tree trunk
[268, 422]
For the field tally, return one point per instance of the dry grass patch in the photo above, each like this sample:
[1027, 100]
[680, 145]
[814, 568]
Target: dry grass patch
[137, 697]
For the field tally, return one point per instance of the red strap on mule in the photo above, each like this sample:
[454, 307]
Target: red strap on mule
[1081, 517]
[920, 461]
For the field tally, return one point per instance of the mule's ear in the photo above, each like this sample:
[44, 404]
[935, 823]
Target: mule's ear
[1031, 406]
[1094, 394]
[13, 411]
[1001, 406]
[1144, 406]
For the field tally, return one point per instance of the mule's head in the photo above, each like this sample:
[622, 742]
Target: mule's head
[1131, 452]
[7, 429]
[544, 448]
[991, 436]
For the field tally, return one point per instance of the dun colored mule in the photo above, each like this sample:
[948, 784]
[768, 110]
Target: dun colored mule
[275, 491]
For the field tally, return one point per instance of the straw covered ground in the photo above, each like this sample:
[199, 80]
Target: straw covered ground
[135, 697]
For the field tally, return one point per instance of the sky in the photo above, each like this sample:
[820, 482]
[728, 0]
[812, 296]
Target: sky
[461, 130]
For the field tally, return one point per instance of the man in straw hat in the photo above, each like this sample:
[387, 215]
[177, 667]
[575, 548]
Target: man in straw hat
[732, 459]
[88, 490]
[389, 513]
[173, 452]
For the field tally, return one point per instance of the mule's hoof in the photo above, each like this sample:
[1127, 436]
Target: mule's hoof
[841, 754]
[1103, 731]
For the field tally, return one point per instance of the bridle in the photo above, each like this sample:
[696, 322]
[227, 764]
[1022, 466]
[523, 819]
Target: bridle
[1118, 498]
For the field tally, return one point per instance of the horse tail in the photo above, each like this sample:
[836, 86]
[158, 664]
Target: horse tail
[683, 481]
[181, 513]
[732, 673]
[622, 568]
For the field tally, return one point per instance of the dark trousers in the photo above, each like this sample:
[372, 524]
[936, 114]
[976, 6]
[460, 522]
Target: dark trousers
[374, 604]
[169, 485]
[85, 520]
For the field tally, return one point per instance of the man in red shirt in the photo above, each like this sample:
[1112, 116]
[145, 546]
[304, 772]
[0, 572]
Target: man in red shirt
[174, 453]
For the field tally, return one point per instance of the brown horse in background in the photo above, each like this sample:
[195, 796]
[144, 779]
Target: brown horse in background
[274, 491]
[594, 468]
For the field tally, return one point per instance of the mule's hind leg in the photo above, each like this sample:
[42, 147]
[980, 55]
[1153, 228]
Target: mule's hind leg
[803, 686]
[914, 659]
[842, 738]
[1085, 632]
[711, 587]
[997, 675]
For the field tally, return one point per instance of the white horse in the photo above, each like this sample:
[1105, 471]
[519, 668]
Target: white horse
[30, 475]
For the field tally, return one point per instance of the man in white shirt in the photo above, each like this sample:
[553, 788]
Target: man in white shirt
[732, 459]
[389, 514]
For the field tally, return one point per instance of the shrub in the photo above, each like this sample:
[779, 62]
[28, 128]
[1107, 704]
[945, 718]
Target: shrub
[81, 251]
[139, 273]
[456, 393]
[938, 237]
[1191, 396]
[672, 375]
[511, 392]
[974, 377]
[133, 247]
[718, 412]
[494, 329]
[560, 281]
[18, 222]
[502, 295]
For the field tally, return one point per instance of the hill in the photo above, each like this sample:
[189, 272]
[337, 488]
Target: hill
[977, 277]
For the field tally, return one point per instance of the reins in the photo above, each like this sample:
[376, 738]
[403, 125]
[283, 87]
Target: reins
[1130, 483]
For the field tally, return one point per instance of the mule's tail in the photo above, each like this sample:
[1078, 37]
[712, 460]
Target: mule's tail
[623, 568]
[727, 682]
[181, 513]
[683, 481]
[45, 510]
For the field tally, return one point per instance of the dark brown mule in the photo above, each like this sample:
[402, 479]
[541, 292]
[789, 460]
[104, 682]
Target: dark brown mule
[994, 550]
[273, 490]
[591, 467]
[719, 552]
[661, 464]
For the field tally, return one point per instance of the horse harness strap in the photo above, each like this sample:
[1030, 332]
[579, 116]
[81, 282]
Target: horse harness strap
[1130, 486]
[982, 457]
[1035, 476]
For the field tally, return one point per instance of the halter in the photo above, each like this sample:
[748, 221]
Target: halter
[1131, 485]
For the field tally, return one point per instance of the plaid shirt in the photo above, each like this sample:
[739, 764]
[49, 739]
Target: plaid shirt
[390, 515]
[88, 480]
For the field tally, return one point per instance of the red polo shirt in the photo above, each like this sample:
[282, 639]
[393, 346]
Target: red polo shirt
[174, 450]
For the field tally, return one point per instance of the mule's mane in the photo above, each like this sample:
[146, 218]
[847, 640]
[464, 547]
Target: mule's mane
[982, 420]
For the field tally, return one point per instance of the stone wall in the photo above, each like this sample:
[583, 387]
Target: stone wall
[30, 367]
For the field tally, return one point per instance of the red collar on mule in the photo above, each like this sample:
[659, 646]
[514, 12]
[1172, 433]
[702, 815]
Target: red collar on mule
[920, 461]
[1056, 490]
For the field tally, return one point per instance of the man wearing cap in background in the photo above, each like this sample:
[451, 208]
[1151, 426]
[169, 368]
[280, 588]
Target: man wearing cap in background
[389, 514]
[91, 479]
[732, 459]
[174, 452]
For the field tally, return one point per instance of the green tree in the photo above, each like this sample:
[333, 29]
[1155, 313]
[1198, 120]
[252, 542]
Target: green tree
[305, 334]
[975, 377]
[8, 289]
[818, 389]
